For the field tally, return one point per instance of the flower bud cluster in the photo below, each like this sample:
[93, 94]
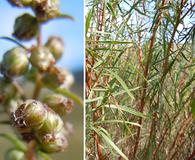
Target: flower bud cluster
[31, 118]
[35, 120]
[44, 9]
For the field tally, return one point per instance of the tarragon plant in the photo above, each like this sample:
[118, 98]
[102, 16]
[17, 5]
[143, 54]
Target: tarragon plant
[37, 121]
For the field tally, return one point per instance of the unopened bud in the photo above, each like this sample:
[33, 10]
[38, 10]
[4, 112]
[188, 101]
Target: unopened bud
[59, 103]
[45, 9]
[41, 58]
[54, 142]
[15, 62]
[56, 46]
[69, 79]
[30, 114]
[58, 77]
[52, 123]
[14, 154]
[26, 27]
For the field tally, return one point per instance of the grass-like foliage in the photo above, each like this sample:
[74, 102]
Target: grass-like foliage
[140, 79]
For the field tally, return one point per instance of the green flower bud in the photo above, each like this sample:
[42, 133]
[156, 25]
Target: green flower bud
[54, 78]
[58, 77]
[56, 46]
[30, 114]
[45, 9]
[15, 62]
[20, 3]
[69, 79]
[41, 58]
[52, 123]
[26, 27]
[14, 154]
[54, 142]
[59, 103]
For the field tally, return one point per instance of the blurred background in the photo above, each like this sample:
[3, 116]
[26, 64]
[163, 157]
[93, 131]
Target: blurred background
[72, 33]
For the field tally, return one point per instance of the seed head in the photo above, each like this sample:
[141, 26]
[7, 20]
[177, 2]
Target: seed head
[59, 103]
[41, 58]
[26, 27]
[56, 46]
[15, 62]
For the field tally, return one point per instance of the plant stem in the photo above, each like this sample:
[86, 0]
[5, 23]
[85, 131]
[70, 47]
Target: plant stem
[39, 37]
[31, 150]
[145, 83]
[38, 76]
[191, 157]
[37, 86]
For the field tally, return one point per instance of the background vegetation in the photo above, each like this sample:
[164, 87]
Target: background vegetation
[140, 79]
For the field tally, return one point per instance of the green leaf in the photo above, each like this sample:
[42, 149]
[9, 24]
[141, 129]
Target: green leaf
[44, 156]
[123, 84]
[14, 140]
[5, 122]
[66, 16]
[111, 143]
[126, 109]
[14, 41]
[114, 94]
[112, 42]
[193, 43]
[111, 10]
[87, 22]
[117, 121]
[193, 108]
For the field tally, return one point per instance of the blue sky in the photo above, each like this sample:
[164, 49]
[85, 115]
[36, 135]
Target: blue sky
[70, 31]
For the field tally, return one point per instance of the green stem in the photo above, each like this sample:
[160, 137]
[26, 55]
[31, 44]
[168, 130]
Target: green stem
[14, 140]
[38, 86]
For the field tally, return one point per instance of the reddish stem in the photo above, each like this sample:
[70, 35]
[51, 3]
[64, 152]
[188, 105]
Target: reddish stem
[30, 155]
[192, 156]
